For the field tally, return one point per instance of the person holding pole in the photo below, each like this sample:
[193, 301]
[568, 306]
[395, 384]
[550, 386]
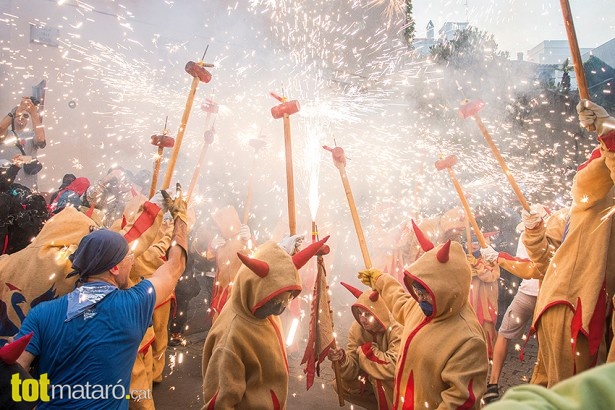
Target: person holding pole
[244, 356]
[371, 352]
[443, 360]
[571, 316]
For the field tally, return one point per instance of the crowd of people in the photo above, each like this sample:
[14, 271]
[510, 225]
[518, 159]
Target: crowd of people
[99, 269]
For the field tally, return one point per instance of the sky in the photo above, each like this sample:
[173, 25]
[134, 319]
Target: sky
[519, 25]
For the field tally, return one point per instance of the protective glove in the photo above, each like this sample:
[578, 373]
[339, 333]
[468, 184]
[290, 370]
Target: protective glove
[489, 254]
[291, 243]
[534, 218]
[244, 233]
[178, 206]
[158, 199]
[217, 242]
[336, 355]
[591, 113]
[369, 277]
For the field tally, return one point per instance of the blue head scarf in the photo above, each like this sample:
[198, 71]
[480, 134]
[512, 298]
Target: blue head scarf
[98, 252]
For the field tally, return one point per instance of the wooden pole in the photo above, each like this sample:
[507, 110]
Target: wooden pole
[468, 236]
[466, 206]
[290, 182]
[152, 188]
[498, 156]
[199, 164]
[180, 133]
[577, 62]
[355, 217]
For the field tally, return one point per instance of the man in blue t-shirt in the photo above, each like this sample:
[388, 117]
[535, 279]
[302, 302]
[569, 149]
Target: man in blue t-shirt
[87, 340]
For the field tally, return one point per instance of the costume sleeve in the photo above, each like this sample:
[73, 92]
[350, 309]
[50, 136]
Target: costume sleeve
[224, 381]
[589, 389]
[466, 375]
[30, 324]
[592, 182]
[394, 296]
[350, 368]
[542, 242]
[141, 229]
[378, 363]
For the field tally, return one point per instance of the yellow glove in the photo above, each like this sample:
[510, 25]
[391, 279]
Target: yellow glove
[178, 207]
[369, 277]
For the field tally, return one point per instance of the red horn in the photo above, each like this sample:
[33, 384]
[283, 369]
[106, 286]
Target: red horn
[261, 268]
[444, 251]
[423, 241]
[356, 292]
[303, 256]
[11, 352]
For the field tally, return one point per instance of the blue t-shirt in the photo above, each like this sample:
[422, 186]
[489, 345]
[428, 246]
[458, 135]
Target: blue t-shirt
[90, 357]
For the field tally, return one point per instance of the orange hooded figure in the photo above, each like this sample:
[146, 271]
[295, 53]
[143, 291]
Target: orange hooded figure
[371, 353]
[442, 361]
[244, 355]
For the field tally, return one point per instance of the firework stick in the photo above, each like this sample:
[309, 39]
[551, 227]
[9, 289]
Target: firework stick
[339, 160]
[161, 141]
[285, 110]
[577, 63]
[256, 144]
[208, 139]
[336, 364]
[468, 236]
[471, 109]
[447, 163]
[199, 74]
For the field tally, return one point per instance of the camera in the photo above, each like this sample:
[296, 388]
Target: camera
[35, 101]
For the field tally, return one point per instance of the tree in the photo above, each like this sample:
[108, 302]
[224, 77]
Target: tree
[409, 27]
[469, 47]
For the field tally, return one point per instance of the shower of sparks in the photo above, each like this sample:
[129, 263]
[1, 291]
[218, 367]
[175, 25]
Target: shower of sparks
[118, 71]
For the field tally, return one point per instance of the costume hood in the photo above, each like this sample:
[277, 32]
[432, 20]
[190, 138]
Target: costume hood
[372, 302]
[445, 273]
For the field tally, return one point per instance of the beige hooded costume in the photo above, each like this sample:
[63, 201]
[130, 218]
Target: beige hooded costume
[370, 357]
[443, 361]
[244, 357]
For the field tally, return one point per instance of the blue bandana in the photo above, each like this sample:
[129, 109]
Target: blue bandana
[98, 252]
[83, 300]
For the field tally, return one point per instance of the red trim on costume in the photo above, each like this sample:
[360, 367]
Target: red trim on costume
[608, 140]
[597, 321]
[124, 222]
[212, 401]
[509, 257]
[169, 299]
[90, 211]
[143, 222]
[147, 345]
[366, 348]
[595, 154]
[471, 400]
[274, 399]
[280, 340]
[408, 394]
[274, 294]
[576, 325]
[382, 398]
[401, 366]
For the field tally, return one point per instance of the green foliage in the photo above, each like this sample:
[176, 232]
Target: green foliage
[409, 29]
[469, 47]
[600, 82]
